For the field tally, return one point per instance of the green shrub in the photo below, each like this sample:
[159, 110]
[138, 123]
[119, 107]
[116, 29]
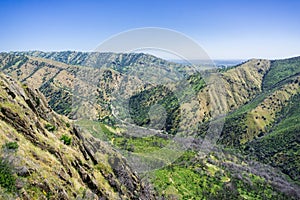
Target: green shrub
[11, 145]
[66, 139]
[68, 125]
[7, 179]
[50, 127]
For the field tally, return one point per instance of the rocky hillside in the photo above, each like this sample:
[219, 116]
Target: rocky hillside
[259, 97]
[261, 133]
[267, 127]
[95, 75]
[43, 156]
[57, 80]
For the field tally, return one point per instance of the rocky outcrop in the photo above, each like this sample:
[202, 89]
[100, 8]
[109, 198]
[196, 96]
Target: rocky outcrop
[44, 167]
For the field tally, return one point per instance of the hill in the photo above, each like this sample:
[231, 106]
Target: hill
[43, 156]
[267, 127]
[256, 155]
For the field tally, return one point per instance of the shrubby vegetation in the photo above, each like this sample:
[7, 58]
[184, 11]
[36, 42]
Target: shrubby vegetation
[60, 99]
[124, 142]
[192, 177]
[141, 103]
[66, 139]
[7, 178]
[11, 145]
[280, 70]
[50, 127]
[203, 179]
[280, 148]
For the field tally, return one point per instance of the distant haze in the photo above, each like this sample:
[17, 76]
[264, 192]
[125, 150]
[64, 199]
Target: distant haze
[226, 63]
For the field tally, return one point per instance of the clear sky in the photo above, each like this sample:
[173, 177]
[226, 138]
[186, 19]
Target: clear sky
[226, 29]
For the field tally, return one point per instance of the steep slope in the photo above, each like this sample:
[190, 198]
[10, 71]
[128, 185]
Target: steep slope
[240, 84]
[260, 97]
[244, 82]
[257, 117]
[43, 156]
[37, 73]
[267, 127]
[57, 80]
[281, 146]
[281, 70]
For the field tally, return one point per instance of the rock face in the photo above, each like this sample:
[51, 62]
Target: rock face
[44, 166]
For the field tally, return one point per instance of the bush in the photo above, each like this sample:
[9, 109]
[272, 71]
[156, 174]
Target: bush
[67, 140]
[7, 179]
[50, 127]
[11, 145]
[68, 125]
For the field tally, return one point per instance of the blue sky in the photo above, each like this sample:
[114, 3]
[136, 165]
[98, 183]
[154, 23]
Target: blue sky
[225, 29]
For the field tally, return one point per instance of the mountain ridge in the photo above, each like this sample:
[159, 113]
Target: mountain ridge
[258, 98]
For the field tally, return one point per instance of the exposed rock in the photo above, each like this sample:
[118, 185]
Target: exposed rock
[48, 167]
[23, 171]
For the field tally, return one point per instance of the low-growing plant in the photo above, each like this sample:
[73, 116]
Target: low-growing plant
[68, 125]
[66, 139]
[50, 127]
[11, 145]
[7, 179]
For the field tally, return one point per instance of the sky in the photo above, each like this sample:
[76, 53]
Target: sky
[226, 29]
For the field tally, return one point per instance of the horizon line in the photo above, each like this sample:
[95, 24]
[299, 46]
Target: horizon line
[169, 59]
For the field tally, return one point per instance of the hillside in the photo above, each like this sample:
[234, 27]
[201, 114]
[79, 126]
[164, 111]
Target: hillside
[57, 80]
[121, 62]
[256, 156]
[267, 127]
[43, 156]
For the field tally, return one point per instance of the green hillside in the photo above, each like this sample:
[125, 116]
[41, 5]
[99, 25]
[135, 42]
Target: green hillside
[281, 70]
[256, 155]
[281, 146]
